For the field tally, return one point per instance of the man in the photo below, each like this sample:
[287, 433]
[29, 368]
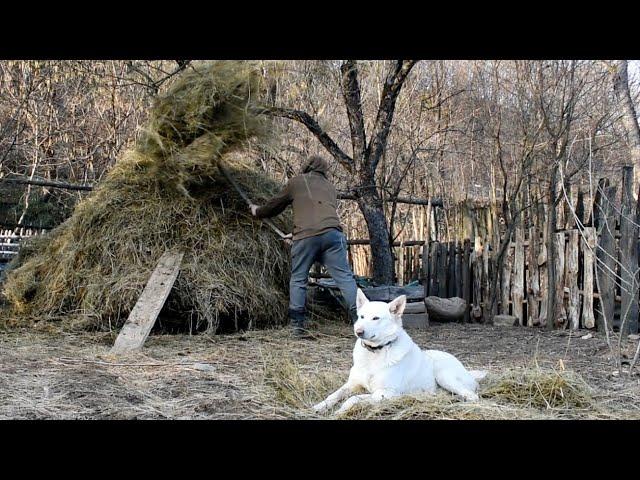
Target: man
[317, 237]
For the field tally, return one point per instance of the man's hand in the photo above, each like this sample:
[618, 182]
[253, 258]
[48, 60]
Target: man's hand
[288, 239]
[253, 207]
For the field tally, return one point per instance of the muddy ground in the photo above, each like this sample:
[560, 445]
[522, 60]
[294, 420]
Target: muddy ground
[55, 374]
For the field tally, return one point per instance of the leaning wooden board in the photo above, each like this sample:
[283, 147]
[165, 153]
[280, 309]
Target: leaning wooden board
[148, 307]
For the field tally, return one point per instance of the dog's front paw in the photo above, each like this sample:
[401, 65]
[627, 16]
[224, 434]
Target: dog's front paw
[346, 406]
[321, 407]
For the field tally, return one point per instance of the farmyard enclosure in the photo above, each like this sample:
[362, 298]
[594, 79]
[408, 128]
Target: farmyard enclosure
[500, 197]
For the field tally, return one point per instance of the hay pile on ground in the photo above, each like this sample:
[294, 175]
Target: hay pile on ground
[514, 393]
[539, 388]
[167, 192]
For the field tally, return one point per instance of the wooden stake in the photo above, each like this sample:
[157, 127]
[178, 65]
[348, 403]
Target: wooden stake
[518, 276]
[588, 249]
[560, 315]
[571, 280]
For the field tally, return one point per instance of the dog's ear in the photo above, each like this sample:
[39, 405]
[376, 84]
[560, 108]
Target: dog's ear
[361, 299]
[397, 306]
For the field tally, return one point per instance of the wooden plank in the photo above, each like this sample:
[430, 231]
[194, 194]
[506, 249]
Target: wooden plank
[425, 269]
[629, 255]
[486, 284]
[560, 314]
[580, 207]
[544, 282]
[458, 267]
[476, 311]
[517, 291]
[568, 219]
[533, 278]
[415, 263]
[434, 288]
[571, 280]
[507, 269]
[451, 283]
[442, 270]
[466, 276]
[588, 255]
[604, 219]
[141, 319]
[401, 266]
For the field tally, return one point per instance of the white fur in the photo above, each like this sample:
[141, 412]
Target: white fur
[399, 368]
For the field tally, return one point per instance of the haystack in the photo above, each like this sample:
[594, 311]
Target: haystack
[164, 193]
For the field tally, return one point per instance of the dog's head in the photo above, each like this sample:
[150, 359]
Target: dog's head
[378, 322]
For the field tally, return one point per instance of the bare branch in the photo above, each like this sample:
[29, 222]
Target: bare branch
[382, 125]
[308, 121]
[353, 102]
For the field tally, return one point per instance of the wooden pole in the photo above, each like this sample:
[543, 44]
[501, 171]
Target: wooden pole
[507, 269]
[518, 275]
[466, 277]
[604, 219]
[533, 277]
[571, 280]
[560, 315]
[588, 249]
[629, 255]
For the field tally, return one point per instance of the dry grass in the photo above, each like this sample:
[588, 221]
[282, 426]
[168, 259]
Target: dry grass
[518, 393]
[165, 193]
[545, 389]
[266, 374]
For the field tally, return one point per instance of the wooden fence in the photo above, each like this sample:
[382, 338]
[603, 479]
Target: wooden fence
[458, 269]
[596, 259]
[407, 257]
[10, 241]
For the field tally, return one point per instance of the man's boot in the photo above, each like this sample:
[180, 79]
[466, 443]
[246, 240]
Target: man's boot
[297, 323]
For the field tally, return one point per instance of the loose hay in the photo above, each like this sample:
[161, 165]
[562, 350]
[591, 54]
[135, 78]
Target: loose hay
[519, 393]
[540, 388]
[164, 193]
[295, 389]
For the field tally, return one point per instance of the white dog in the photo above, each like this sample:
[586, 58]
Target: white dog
[387, 363]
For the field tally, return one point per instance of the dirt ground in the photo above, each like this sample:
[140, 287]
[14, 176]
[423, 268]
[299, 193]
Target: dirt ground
[54, 374]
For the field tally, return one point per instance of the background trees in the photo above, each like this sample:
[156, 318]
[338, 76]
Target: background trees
[515, 133]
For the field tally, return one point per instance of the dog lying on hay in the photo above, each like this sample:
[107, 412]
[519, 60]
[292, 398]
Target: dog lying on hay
[387, 363]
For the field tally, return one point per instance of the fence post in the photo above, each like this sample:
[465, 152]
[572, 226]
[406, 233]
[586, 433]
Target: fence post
[604, 220]
[628, 255]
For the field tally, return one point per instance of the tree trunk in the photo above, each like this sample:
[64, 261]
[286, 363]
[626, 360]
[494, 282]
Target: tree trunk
[629, 118]
[370, 204]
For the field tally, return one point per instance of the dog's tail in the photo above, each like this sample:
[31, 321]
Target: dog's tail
[478, 374]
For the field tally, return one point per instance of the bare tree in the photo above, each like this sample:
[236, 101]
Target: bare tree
[628, 117]
[366, 153]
